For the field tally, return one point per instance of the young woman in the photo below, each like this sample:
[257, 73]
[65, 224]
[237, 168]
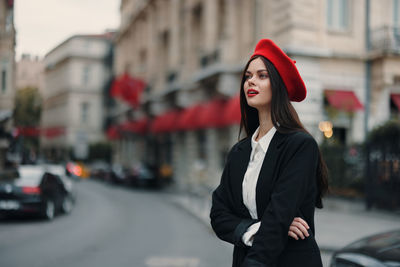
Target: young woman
[274, 178]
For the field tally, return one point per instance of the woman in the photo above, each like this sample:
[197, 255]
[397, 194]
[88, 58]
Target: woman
[274, 175]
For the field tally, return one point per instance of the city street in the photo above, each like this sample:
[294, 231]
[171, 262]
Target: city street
[113, 226]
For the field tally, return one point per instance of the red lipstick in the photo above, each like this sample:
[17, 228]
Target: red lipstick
[252, 92]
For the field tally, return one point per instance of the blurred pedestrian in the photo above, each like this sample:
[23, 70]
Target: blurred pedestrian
[275, 177]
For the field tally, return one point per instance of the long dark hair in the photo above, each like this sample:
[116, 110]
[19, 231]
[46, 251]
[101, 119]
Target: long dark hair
[284, 118]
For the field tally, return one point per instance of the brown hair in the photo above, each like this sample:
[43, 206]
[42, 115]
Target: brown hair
[282, 111]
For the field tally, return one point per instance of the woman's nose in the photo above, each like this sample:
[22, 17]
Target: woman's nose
[251, 80]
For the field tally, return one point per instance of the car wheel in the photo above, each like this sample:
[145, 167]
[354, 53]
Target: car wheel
[50, 209]
[67, 205]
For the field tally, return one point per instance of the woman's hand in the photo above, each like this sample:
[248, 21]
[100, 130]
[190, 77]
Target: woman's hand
[298, 229]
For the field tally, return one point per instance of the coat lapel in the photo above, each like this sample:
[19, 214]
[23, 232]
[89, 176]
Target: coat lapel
[238, 170]
[265, 178]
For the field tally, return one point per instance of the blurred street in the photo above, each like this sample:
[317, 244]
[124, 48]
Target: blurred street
[113, 226]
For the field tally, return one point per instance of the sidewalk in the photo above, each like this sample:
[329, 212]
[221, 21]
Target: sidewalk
[337, 224]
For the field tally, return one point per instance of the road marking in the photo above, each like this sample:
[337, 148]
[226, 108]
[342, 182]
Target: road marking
[172, 262]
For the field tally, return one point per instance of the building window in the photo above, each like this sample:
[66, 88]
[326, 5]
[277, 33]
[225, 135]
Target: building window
[338, 15]
[396, 13]
[86, 75]
[85, 112]
[3, 80]
[221, 29]
[9, 22]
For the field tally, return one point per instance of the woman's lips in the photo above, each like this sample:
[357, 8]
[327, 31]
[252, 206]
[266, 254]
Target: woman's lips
[252, 92]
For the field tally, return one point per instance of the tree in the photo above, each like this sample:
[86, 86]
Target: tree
[27, 112]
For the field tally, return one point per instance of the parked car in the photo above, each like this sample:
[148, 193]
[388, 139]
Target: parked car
[100, 170]
[37, 190]
[119, 174]
[144, 174]
[380, 250]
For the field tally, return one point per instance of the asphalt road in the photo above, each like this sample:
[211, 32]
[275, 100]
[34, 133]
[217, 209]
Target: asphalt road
[113, 226]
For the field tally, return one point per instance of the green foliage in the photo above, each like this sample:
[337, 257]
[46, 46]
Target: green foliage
[27, 112]
[386, 135]
[345, 166]
[100, 151]
[27, 107]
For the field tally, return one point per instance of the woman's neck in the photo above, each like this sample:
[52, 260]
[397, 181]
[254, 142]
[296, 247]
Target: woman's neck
[266, 124]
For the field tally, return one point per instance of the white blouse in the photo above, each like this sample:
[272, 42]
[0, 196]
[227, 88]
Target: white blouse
[259, 149]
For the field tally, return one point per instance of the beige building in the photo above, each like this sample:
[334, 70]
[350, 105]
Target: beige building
[7, 68]
[30, 72]
[76, 73]
[192, 51]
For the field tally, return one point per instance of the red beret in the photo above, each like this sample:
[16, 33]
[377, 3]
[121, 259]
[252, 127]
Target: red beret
[285, 66]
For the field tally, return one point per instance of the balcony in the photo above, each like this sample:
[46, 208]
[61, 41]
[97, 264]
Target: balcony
[385, 39]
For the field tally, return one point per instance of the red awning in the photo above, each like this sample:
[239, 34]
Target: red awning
[166, 122]
[211, 114]
[53, 132]
[343, 100]
[128, 88]
[28, 131]
[138, 126]
[188, 120]
[231, 114]
[113, 133]
[396, 100]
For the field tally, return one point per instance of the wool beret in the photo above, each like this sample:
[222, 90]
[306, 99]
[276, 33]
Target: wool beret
[285, 66]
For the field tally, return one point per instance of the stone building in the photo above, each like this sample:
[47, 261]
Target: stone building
[30, 72]
[7, 75]
[193, 52]
[76, 75]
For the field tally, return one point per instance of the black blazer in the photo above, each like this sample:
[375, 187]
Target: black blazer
[286, 188]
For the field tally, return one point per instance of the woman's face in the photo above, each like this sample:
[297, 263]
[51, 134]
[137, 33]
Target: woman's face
[257, 86]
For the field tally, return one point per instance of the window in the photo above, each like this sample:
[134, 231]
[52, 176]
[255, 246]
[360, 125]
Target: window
[3, 80]
[221, 29]
[338, 15]
[85, 75]
[9, 22]
[85, 112]
[396, 13]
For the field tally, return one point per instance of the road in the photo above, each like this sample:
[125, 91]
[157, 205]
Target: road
[113, 226]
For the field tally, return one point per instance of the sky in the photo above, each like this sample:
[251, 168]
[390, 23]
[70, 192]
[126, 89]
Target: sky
[41, 25]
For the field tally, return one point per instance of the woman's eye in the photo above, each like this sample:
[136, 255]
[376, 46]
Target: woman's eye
[263, 76]
[246, 77]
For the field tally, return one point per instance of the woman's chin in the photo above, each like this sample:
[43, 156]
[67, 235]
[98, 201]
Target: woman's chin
[256, 104]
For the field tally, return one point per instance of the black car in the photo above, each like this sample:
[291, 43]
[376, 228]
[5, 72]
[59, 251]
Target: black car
[36, 190]
[380, 250]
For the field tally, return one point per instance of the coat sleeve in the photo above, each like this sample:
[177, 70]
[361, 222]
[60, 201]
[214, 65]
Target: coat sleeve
[289, 191]
[225, 223]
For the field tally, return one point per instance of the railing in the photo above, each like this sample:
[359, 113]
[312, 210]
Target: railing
[369, 172]
[386, 39]
[383, 177]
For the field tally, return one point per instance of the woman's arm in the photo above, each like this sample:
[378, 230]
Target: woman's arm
[288, 193]
[224, 222]
[298, 229]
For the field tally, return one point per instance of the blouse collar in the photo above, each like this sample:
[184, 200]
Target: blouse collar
[263, 141]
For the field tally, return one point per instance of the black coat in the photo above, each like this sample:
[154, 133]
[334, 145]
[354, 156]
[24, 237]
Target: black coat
[286, 188]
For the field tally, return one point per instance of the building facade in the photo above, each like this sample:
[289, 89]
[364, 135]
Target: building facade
[30, 72]
[194, 51]
[7, 73]
[76, 74]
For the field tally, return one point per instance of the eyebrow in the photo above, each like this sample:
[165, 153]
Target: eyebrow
[257, 71]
